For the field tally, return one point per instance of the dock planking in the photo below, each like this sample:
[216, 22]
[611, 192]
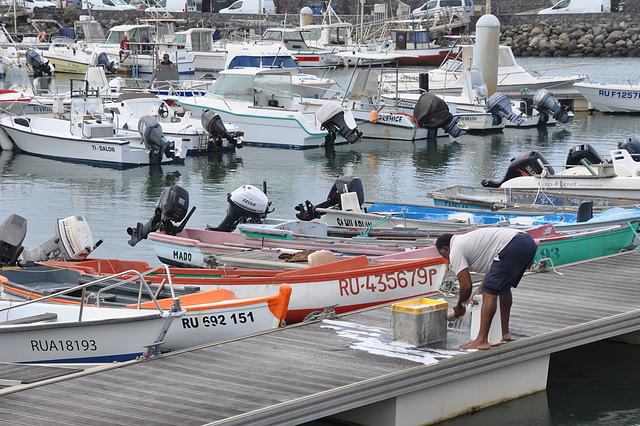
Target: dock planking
[309, 371]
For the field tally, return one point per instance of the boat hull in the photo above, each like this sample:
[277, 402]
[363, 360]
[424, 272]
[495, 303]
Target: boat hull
[621, 98]
[104, 338]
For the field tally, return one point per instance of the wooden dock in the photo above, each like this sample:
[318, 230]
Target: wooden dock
[334, 367]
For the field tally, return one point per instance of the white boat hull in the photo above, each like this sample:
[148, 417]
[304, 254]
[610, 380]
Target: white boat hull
[50, 137]
[618, 187]
[624, 98]
[104, 335]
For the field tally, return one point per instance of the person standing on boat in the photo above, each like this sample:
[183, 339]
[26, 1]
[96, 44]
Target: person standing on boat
[124, 48]
[503, 254]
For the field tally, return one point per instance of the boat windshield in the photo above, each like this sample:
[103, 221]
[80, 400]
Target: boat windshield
[271, 86]
[16, 78]
[230, 86]
[272, 36]
[451, 65]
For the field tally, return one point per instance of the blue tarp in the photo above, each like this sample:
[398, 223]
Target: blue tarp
[67, 32]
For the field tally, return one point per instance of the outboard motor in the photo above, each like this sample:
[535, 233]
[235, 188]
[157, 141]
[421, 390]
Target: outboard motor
[433, 113]
[529, 164]
[213, 125]
[39, 67]
[343, 185]
[584, 152]
[153, 137]
[499, 105]
[546, 104]
[73, 241]
[632, 145]
[103, 60]
[171, 207]
[246, 204]
[12, 233]
[332, 117]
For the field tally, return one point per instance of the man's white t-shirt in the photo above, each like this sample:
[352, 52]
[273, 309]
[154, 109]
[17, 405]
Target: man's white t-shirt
[477, 249]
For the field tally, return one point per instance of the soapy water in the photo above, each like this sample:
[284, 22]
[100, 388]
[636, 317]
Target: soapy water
[458, 329]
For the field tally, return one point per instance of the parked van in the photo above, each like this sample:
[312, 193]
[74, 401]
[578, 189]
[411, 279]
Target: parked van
[578, 6]
[463, 7]
[106, 5]
[174, 6]
[31, 5]
[251, 7]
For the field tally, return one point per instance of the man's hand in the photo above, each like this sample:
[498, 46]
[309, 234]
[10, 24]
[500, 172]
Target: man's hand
[459, 310]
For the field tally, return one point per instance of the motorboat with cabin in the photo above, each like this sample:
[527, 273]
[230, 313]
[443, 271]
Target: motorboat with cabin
[260, 101]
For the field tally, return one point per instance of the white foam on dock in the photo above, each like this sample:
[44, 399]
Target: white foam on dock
[379, 341]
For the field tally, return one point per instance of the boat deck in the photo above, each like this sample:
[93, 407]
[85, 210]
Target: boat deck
[309, 371]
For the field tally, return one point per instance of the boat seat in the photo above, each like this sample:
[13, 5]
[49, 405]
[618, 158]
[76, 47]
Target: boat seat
[321, 257]
[31, 319]
[350, 202]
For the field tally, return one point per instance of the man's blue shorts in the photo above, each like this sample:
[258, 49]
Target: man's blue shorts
[511, 264]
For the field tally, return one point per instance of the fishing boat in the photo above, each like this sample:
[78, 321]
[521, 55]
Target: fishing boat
[208, 316]
[292, 39]
[585, 172]
[559, 248]
[340, 285]
[90, 135]
[260, 101]
[461, 196]
[610, 97]
[37, 331]
[197, 136]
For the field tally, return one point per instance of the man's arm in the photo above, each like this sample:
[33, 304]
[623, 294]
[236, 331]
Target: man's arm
[466, 286]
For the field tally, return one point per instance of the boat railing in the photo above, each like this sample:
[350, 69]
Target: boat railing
[556, 70]
[609, 79]
[136, 275]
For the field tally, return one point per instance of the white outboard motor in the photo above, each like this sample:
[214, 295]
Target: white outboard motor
[433, 113]
[39, 66]
[153, 137]
[332, 117]
[499, 105]
[342, 185]
[73, 241]
[546, 103]
[213, 125]
[171, 207]
[12, 233]
[103, 60]
[247, 204]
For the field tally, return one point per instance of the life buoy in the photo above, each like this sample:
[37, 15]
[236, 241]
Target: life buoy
[386, 46]
[42, 36]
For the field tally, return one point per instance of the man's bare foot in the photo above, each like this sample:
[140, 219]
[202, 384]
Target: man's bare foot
[476, 345]
[506, 337]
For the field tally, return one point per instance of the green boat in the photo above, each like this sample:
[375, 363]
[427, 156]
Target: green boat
[574, 246]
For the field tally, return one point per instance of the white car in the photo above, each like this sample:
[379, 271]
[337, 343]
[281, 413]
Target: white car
[31, 5]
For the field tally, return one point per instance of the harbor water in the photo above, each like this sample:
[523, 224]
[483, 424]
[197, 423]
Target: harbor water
[43, 190]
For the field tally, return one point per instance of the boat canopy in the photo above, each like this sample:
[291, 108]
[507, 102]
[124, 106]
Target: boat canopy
[260, 88]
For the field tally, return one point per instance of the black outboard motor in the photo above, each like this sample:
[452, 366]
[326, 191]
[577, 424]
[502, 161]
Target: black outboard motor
[332, 117]
[546, 104]
[39, 67]
[584, 152]
[343, 185]
[213, 125]
[12, 233]
[171, 207]
[499, 105]
[632, 145]
[247, 204]
[153, 137]
[433, 113]
[529, 164]
[103, 60]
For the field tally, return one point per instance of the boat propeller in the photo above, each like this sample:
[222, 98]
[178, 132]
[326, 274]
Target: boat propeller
[171, 207]
[72, 241]
[342, 185]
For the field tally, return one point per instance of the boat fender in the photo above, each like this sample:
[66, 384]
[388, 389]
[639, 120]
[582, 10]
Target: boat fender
[42, 36]
[374, 116]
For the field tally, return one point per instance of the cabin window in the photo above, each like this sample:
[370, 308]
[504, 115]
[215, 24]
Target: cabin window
[180, 39]
[272, 36]
[115, 37]
[505, 59]
[201, 41]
